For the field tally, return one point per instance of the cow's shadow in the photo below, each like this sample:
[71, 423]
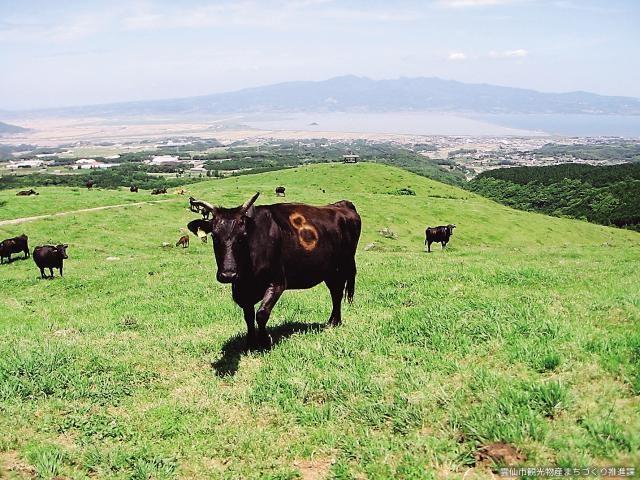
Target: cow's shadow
[234, 348]
[6, 260]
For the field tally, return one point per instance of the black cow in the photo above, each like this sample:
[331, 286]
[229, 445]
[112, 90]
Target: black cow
[280, 191]
[263, 251]
[159, 191]
[133, 188]
[50, 256]
[440, 234]
[14, 245]
[90, 184]
[26, 193]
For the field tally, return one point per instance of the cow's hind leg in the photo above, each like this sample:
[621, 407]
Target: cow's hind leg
[269, 300]
[51, 272]
[429, 247]
[42, 275]
[336, 287]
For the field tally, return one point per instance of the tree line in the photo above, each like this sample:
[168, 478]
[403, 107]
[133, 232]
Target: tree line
[608, 195]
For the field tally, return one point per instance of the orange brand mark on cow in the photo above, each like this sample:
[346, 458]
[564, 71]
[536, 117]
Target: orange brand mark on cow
[307, 233]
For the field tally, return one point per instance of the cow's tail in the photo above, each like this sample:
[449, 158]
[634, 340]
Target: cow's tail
[350, 283]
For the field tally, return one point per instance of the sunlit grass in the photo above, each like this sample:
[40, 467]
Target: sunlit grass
[524, 330]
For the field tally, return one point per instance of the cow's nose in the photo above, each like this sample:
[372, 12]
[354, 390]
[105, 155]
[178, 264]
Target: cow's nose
[227, 277]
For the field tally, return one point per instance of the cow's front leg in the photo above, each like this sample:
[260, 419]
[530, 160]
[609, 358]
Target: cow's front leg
[269, 300]
[250, 318]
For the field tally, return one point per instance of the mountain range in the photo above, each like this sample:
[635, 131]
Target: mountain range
[359, 94]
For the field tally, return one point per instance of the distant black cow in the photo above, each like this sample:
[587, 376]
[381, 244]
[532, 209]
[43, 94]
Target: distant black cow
[438, 234]
[159, 191]
[50, 256]
[14, 245]
[27, 192]
[280, 191]
[263, 251]
[133, 188]
[90, 184]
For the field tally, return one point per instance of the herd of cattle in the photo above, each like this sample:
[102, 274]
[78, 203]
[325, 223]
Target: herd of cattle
[262, 251]
[45, 256]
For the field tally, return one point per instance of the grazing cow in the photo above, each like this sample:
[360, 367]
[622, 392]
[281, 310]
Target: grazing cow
[263, 251]
[133, 188]
[90, 184]
[184, 241]
[280, 191]
[440, 234]
[50, 256]
[26, 193]
[14, 245]
[159, 191]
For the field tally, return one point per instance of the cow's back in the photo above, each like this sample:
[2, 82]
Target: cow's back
[46, 256]
[314, 241]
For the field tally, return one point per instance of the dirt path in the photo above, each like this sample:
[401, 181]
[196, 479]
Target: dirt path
[16, 221]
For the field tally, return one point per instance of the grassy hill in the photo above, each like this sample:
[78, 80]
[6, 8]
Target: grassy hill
[525, 330]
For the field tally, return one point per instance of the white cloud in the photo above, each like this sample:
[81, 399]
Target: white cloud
[520, 52]
[457, 56]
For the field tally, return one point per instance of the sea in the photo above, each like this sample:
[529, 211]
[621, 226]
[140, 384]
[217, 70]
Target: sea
[433, 123]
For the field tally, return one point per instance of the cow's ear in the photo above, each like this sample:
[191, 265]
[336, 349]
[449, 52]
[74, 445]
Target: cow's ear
[200, 225]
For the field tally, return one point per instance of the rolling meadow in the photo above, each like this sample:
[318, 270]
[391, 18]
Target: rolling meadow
[525, 330]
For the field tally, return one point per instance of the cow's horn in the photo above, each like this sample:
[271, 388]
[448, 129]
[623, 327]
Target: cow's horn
[204, 204]
[246, 205]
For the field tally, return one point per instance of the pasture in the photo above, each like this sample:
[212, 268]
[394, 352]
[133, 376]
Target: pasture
[525, 330]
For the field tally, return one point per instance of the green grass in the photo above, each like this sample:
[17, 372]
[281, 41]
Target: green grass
[524, 330]
[65, 199]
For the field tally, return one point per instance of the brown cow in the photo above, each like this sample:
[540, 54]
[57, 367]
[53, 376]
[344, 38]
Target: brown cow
[14, 245]
[90, 184]
[263, 251]
[184, 241]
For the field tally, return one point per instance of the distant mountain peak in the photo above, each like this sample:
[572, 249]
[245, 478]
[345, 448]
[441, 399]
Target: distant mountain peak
[362, 94]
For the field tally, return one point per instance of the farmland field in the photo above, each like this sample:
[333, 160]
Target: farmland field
[525, 330]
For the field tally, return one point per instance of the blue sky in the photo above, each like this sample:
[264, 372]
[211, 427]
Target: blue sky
[56, 53]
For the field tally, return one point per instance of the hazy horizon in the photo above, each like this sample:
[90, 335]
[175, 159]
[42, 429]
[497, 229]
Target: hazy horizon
[56, 55]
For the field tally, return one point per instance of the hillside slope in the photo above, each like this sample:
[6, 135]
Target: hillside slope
[524, 331]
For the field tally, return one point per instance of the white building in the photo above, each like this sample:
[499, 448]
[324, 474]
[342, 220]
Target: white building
[25, 164]
[164, 160]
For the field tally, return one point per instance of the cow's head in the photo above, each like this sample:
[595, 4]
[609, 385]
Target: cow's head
[62, 250]
[229, 229]
[450, 228]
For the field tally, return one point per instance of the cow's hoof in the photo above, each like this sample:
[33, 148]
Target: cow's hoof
[334, 323]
